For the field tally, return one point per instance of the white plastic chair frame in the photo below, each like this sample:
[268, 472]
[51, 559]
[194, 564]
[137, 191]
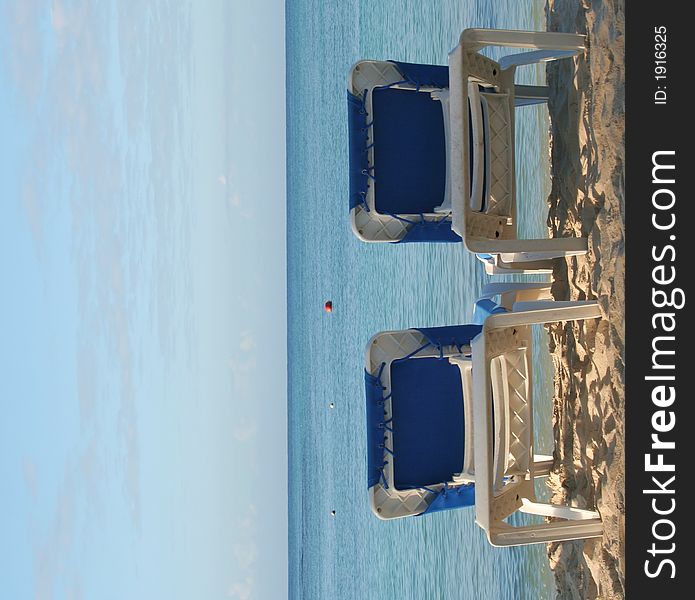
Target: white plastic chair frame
[495, 233]
[371, 226]
[495, 375]
[498, 491]
[386, 501]
[496, 265]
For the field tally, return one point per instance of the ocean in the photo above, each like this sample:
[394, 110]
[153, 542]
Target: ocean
[375, 287]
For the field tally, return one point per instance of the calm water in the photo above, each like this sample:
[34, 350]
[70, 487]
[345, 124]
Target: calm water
[375, 287]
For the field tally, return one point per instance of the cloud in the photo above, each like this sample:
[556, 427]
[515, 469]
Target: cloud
[131, 460]
[245, 554]
[86, 382]
[242, 366]
[245, 383]
[248, 342]
[75, 592]
[244, 210]
[244, 376]
[59, 19]
[247, 213]
[248, 522]
[30, 479]
[244, 430]
[25, 42]
[34, 214]
[242, 589]
[52, 553]
[92, 474]
[82, 165]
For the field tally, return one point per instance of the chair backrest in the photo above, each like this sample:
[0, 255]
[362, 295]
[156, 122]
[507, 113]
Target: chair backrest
[397, 152]
[416, 446]
[409, 152]
[469, 72]
[398, 115]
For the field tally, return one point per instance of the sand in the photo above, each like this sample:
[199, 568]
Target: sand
[587, 157]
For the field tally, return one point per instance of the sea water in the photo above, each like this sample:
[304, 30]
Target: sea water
[375, 287]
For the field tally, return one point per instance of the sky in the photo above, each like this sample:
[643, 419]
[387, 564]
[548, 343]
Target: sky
[143, 300]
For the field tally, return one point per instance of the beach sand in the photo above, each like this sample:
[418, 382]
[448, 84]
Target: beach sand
[587, 157]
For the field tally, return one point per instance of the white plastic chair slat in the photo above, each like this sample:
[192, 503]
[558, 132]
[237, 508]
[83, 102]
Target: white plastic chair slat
[557, 531]
[494, 232]
[478, 135]
[532, 250]
[443, 97]
[555, 510]
[533, 57]
[541, 40]
[494, 362]
[372, 226]
[496, 374]
[495, 265]
[495, 288]
[465, 367]
[542, 465]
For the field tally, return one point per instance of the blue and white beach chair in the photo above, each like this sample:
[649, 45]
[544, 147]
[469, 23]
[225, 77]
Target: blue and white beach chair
[432, 150]
[450, 423]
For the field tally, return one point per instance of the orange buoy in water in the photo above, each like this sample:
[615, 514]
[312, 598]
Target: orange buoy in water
[328, 307]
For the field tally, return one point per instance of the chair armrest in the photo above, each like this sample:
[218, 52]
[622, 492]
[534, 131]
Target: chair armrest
[541, 40]
[494, 265]
[536, 56]
[503, 534]
[539, 249]
[541, 312]
[512, 293]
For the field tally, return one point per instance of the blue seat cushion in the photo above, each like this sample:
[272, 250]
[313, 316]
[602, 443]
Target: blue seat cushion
[409, 151]
[485, 308]
[428, 421]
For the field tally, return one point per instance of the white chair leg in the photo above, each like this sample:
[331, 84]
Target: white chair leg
[541, 40]
[516, 250]
[525, 95]
[494, 265]
[554, 510]
[539, 313]
[524, 257]
[537, 56]
[504, 534]
[524, 268]
[493, 289]
[542, 465]
[518, 102]
[443, 97]
[512, 293]
[554, 304]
